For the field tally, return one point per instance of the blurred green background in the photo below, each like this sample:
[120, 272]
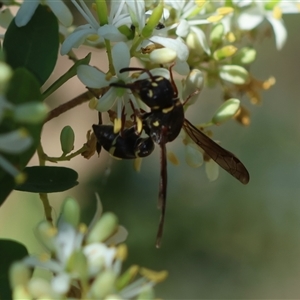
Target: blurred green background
[223, 239]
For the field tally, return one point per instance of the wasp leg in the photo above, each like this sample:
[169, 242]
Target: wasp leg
[162, 192]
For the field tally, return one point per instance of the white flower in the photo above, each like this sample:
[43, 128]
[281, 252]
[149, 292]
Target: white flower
[94, 78]
[28, 8]
[188, 24]
[92, 31]
[99, 257]
[252, 16]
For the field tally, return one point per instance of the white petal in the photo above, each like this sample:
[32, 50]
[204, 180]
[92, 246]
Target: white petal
[15, 141]
[250, 18]
[91, 77]
[98, 256]
[98, 213]
[289, 7]
[61, 11]
[119, 237]
[111, 33]
[136, 9]
[64, 241]
[107, 100]
[50, 264]
[121, 59]
[279, 32]
[61, 283]
[77, 37]
[175, 44]
[93, 251]
[25, 12]
[201, 38]
[183, 28]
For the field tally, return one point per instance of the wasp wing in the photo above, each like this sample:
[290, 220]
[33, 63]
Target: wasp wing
[225, 159]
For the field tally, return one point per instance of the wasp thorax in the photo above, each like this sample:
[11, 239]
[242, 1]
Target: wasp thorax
[156, 92]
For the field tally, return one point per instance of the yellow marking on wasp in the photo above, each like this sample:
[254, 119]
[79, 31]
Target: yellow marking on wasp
[156, 107]
[167, 109]
[150, 93]
[160, 78]
[154, 84]
[139, 125]
[156, 123]
[112, 150]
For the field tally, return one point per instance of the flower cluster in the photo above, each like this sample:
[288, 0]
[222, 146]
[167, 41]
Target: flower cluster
[210, 36]
[85, 263]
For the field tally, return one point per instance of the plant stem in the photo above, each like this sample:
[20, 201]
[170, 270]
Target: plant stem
[66, 157]
[47, 207]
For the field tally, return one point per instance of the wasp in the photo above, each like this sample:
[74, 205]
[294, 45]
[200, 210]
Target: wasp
[162, 125]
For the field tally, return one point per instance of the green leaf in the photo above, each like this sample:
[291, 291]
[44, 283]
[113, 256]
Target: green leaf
[34, 46]
[11, 251]
[233, 73]
[46, 179]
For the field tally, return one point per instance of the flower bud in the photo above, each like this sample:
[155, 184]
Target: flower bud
[21, 292]
[40, 289]
[192, 41]
[127, 277]
[224, 52]
[226, 111]
[103, 229]
[6, 73]
[153, 20]
[45, 233]
[67, 138]
[77, 264]
[71, 212]
[163, 56]
[233, 73]
[244, 56]
[212, 170]
[104, 284]
[31, 112]
[19, 274]
[217, 33]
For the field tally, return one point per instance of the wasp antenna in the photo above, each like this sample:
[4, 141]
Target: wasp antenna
[143, 70]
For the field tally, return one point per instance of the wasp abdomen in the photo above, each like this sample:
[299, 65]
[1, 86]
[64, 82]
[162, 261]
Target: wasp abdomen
[126, 144]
